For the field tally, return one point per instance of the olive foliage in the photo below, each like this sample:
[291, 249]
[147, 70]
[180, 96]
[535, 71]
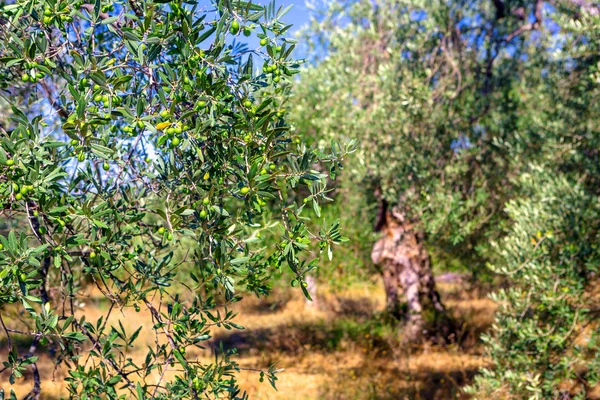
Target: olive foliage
[146, 154]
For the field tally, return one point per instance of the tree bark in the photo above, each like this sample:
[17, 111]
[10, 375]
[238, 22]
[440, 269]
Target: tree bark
[406, 264]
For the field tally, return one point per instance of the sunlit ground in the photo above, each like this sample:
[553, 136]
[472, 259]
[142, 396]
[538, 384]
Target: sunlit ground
[339, 349]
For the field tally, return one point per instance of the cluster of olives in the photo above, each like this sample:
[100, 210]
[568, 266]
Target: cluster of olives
[22, 191]
[62, 14]
[194, 60]
[198, 384]
[173, 130]
[235, 28]
[163, 232]
[33, 75]
[103, 98]
[274, 70]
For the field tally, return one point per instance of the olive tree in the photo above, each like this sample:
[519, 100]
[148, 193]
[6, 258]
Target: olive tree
[146, 149]
[478, 129]
[443, 99]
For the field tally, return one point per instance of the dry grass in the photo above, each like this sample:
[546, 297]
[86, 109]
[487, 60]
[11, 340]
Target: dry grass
[341, 349]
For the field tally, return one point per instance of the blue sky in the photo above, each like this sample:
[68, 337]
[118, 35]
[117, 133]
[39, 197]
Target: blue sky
[298, 15]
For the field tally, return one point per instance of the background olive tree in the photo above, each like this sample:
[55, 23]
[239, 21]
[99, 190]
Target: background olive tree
[478, 142]
[140, 130]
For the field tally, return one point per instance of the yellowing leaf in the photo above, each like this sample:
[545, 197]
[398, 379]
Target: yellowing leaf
[162, 125]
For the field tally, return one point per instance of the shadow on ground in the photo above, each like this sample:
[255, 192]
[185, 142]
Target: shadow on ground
[366, 356]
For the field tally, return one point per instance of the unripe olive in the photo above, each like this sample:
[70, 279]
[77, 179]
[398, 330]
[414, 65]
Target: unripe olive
[235, 27]
[244, 190]
[263, 42]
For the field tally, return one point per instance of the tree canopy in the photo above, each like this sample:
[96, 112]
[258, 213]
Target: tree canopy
[146, 153]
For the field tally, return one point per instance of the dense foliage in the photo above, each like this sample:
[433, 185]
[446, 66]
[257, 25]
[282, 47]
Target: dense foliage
[479, 119]
[146, 153]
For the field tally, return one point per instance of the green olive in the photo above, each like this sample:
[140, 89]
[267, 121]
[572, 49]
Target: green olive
[235, 27]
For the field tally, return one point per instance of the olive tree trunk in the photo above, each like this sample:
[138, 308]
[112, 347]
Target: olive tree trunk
[406, 268]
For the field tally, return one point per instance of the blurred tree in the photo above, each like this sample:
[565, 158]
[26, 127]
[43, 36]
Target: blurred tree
[452, 102]
[139, 130]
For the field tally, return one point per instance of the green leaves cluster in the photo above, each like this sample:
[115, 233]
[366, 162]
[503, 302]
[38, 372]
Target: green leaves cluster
[545, 333]
[146, 150]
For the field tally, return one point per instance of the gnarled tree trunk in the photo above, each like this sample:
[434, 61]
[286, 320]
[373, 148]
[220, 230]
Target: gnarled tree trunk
[406, 265]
